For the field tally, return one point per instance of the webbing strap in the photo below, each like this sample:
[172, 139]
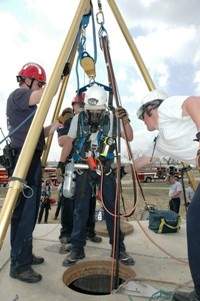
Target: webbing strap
[18, 127]
[22, 181]
[163, 223]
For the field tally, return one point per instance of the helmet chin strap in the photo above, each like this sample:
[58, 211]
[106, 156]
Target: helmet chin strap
[148, 111]
[31, 84]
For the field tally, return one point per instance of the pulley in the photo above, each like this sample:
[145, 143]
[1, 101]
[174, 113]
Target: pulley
[88, 64]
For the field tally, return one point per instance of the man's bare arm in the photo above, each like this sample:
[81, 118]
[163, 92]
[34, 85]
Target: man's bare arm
[139, 163]
[191, 107]
[67, 148]
[61, 140]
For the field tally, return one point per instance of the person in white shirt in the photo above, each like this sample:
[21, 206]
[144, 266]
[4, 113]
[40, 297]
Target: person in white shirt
[175, 190]
[177, 120]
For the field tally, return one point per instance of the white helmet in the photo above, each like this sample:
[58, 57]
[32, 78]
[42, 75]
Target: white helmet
[154, 98]
[95, 98]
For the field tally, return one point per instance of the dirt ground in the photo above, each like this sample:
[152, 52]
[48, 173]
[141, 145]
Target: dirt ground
[155, 193]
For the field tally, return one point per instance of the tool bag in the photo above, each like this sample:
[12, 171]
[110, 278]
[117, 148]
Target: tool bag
[164, 221]
[7, 159]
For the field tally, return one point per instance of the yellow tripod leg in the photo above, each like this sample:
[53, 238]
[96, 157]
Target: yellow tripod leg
[190, 176]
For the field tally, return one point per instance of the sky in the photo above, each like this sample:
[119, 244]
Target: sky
[165, 32]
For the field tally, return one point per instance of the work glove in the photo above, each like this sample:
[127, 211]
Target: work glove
[122, 172]
[198, 152]
[198, 159]
[197, 137]
[66, 114]
[66, 70]
[60, 171]
[121, 113]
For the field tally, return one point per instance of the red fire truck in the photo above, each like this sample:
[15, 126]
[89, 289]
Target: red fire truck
[159, 173]
[147, 177]
[3, 177]
[49, 172]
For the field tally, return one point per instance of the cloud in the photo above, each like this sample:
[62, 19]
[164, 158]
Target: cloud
[166, 37]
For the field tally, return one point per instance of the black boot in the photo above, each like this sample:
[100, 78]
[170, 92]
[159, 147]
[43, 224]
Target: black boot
[29, 276]
[125, 258]
[96, 239]
[37, 260]
[72, 258]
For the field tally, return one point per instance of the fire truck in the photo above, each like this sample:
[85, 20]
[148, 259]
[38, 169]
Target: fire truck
[49, 172]
[147, 177]
[159, 173]
[3, 177]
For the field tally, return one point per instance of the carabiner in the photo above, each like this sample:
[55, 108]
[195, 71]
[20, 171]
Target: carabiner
[102, 18]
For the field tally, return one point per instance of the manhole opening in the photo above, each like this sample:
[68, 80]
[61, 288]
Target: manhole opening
[93, 285]
[94, 277]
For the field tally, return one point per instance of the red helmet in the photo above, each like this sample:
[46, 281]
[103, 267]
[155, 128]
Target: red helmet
[33, 70]
[79, 98]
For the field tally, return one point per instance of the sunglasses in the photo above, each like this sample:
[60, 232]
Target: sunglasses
[40, 84]
[142, 116]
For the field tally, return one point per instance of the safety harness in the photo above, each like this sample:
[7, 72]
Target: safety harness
[83, 148]
[87, 153]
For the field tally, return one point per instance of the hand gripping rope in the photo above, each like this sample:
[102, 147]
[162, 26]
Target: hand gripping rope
[103, 37]
[112, 82]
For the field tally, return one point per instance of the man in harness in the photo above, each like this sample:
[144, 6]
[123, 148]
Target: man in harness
[67, 203]
[93, 132]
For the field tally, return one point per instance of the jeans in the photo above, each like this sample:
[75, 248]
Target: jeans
[81, 210]
[193, 239]
[67, 213]
[174, 204]
[44, 209]
[24, 219]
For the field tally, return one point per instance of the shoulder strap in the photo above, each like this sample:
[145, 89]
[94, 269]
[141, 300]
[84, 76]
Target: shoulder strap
[107, 123]
[18, 127]
[81, 135]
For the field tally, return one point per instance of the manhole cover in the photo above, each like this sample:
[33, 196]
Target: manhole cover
[101, 228]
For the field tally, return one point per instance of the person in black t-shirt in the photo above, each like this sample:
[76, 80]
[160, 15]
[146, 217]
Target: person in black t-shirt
[21, 106]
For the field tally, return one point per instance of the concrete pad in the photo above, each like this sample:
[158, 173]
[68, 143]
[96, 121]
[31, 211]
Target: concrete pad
[161, 262]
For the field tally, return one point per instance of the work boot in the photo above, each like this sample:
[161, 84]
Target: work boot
[125, 258]
[29, 276]
[68, 247]
[72, 258]
[65, 240]
[96, 239]
[185, 296]
[36, 260]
